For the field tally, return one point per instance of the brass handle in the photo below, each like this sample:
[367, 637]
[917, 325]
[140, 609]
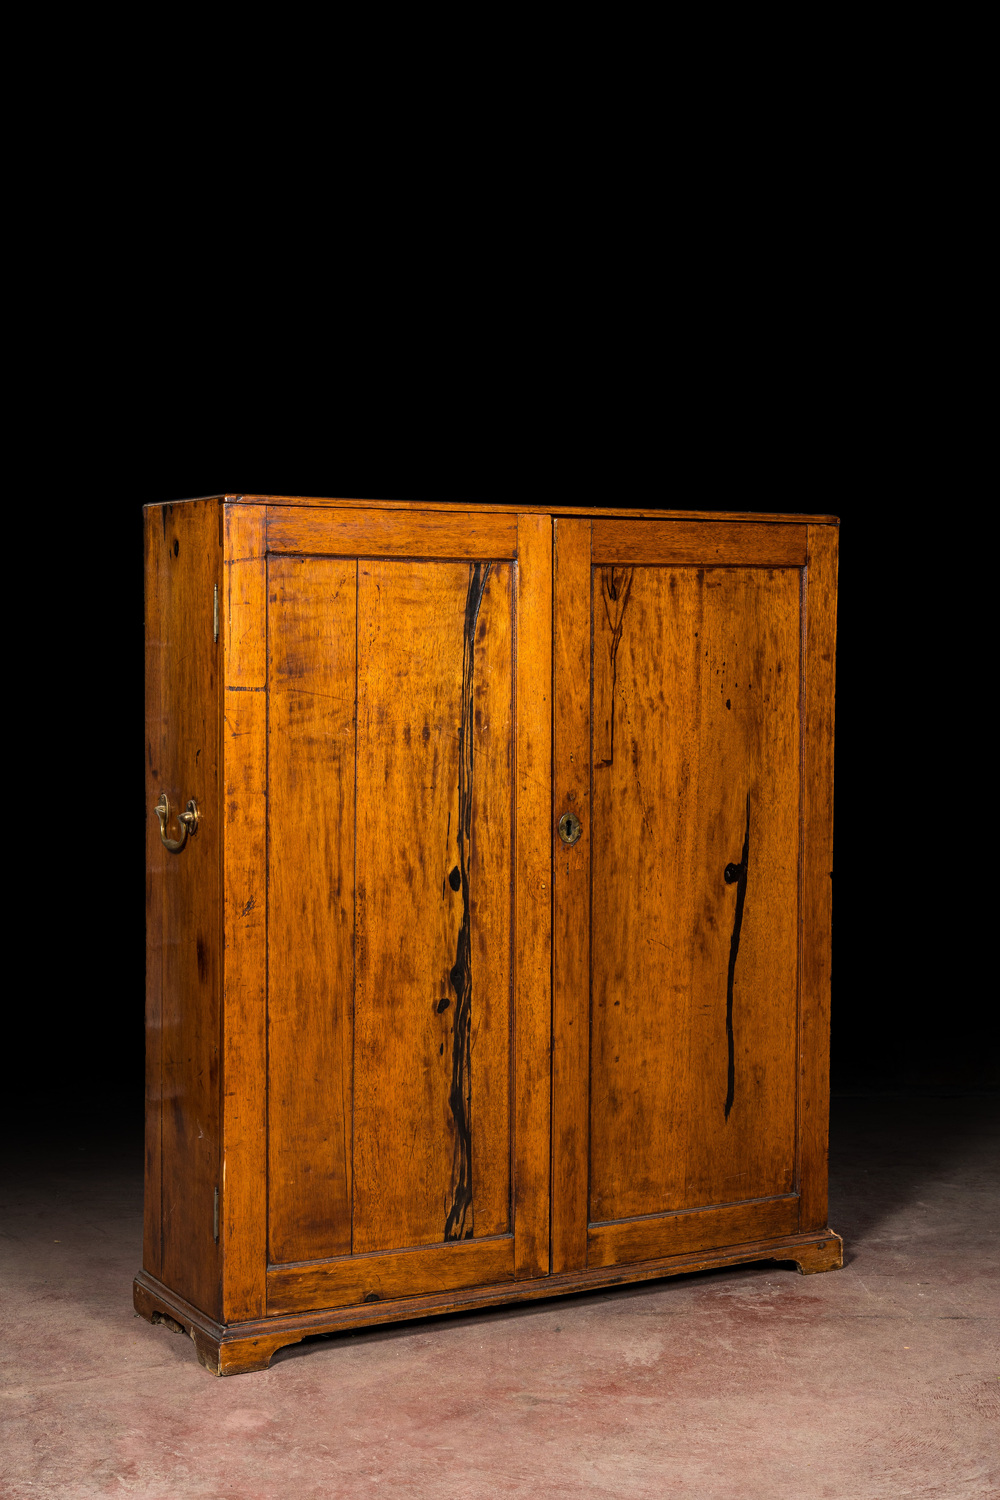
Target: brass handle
[188, 820]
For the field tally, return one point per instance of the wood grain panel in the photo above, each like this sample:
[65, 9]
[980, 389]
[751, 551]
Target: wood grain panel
[571, 894]
[533, 896]
[421, 644]
[699, 543]
[312, 620]
[820, 608]
[243, 1207]
[490, 876]
[374, 1278]
[184, 566]
[705, 1229]
[748, 824]
[367, 533]
[695, 847]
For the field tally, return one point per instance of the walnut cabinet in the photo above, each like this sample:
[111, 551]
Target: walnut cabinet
[488, 876]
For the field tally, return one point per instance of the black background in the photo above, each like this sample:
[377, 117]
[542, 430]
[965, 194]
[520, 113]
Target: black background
[910, 1007]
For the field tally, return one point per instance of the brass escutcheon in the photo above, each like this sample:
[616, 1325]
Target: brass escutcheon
[570, 828]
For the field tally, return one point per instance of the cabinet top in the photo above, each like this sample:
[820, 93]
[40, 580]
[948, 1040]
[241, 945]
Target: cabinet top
[652, 512]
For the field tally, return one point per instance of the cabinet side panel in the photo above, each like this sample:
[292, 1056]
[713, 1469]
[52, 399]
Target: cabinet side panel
[184, 563]
[312, 617]
[820, 607]
[155, 870]
[243, 1214]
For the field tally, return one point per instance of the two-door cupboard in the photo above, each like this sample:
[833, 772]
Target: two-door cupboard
[488, 883]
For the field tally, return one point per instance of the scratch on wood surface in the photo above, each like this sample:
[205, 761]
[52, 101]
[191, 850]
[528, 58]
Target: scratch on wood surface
[737, 874]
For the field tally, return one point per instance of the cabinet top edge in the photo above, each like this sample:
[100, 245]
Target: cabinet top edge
[651, 513]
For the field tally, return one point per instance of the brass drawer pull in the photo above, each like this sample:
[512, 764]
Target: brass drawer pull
[188, 820]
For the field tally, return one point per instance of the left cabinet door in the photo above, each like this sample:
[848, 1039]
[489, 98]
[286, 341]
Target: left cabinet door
[407, 942]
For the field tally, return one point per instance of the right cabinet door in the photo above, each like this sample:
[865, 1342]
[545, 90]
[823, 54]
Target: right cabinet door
[692, 850]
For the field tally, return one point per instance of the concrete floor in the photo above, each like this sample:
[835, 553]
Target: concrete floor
[750, 1384]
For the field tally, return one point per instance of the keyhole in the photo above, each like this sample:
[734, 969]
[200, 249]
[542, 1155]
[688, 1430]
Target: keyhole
[569, 828]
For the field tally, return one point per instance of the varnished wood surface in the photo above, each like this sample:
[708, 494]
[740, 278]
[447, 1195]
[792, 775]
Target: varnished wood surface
[183, 567]
[533, 897]
[699, 543]
[390, 853]
[427, 772]
[367, 533]
[490, 851]
[154, 722]
[820, 635]
[312, 636]
[571, 894]
[244, 1347]
[243, 1188]
[694, 977]
[698, 1229]
[373, 1278]
[651, 512]
[694, 1136]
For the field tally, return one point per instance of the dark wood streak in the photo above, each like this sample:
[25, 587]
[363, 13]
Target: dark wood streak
[737, 873]
[615, 596]
[458, 1224]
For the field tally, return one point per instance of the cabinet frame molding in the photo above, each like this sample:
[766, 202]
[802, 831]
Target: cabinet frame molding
[819, 629]
[240, 1348]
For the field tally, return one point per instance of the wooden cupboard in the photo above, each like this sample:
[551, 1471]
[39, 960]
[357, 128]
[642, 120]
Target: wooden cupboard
[488, 882]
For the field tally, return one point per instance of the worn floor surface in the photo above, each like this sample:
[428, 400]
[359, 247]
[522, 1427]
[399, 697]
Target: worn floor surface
[876, 1381]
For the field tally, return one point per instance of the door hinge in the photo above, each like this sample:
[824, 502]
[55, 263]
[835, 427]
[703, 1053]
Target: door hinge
[215, 1218]
[215, 614]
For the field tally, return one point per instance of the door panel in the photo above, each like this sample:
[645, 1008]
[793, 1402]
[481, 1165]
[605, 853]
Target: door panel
[695, 871]
[420, 754]
[395, 1005]
[693, 857]
[311, 759]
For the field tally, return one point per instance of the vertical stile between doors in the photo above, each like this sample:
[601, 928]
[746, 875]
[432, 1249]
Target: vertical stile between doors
[571, 623]
[533, 897]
